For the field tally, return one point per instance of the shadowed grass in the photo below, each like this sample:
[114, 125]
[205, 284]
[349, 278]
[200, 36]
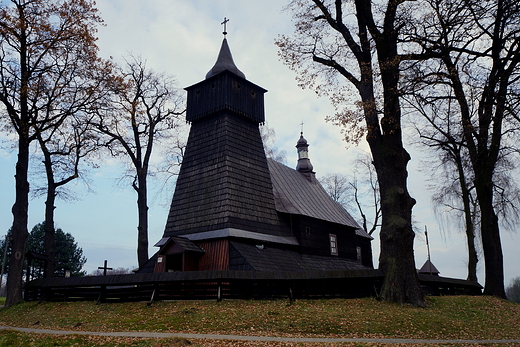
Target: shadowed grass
[14, 338]
[456, 317]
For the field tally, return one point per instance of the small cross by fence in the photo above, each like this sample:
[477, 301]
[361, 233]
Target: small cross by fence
[105, 268]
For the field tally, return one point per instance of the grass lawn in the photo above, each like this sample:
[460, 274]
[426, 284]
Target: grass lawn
[457, 317]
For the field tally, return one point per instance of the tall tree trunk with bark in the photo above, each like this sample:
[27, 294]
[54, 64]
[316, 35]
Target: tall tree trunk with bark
[491, 244]
[142, 208]
[396, 259]
[326, 36]
[468, 215]
[20, 220]
[21, 206]
[49, 239]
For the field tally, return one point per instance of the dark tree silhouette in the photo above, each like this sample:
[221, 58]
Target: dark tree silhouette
[69, 256]
[513, 290]
[477, 46]
[48, 57]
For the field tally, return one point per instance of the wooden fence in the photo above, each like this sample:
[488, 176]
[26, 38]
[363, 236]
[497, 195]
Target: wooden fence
[218, 285]
[206, 285]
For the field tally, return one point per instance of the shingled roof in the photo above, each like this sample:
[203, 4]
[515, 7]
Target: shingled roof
[296, 193]
[224, 62]
[223, 181]
[429, 268]
[266, 258]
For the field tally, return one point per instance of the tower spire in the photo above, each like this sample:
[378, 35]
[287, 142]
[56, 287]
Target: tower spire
[304, 163]
[224, 61]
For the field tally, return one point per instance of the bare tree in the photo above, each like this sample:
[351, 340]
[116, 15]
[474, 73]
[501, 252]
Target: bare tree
[63, 149]
[366, 192]
[451, 178]
[338, 188]
[513, 290]
[477, 44]
[141, 114]
[358, 42]
[47, 53]
[363, 192]
[268, 136]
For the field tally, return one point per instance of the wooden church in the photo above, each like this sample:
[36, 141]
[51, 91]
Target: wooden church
[235, 209]
[242, 225]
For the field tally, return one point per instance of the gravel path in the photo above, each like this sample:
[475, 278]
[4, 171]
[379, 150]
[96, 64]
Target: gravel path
[248, 338]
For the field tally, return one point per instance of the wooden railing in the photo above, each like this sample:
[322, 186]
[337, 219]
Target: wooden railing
[206, 285]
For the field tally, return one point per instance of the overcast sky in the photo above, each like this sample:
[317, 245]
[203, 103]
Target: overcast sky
[182, 38]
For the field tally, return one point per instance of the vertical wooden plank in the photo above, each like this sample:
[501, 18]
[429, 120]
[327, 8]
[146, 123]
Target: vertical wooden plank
[216, 256]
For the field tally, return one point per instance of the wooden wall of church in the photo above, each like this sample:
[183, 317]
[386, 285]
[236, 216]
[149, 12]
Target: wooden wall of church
[216, 256]
[313, 235]
[366, 251]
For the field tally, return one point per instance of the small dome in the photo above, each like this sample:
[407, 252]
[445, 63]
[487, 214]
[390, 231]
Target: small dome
[301, 141]
[304, 163]
[224, 62]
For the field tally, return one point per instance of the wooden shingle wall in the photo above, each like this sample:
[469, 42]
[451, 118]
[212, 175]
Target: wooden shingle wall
[224, 181]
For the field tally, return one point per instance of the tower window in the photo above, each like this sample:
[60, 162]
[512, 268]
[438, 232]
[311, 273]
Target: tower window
[333, 244]
[358, 251]
[307, 230]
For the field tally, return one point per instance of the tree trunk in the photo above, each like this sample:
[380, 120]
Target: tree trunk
[49, 240]
[142, 208]
[21, 205]
[20, 219]
[472, 255]
[468, 217]
[396, 259]
[491, 244]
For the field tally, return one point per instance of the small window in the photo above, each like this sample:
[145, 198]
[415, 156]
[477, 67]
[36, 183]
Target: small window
[307, 230]
[333, 244]
[358, 250]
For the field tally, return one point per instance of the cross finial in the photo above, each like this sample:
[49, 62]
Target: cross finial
[224, 23]
[302, 123]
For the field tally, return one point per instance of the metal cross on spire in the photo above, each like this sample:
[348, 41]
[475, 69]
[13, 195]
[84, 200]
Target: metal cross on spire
[224, 23]
[302, 123]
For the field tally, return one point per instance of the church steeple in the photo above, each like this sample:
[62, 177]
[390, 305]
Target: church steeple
[304, 163]
[225, 88]
[224, 62]
[224, 165]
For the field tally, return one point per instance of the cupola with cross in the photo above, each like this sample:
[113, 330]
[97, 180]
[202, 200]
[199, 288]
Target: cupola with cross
[304, 163]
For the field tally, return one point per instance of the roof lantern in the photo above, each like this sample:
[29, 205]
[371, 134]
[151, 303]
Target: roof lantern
[304, 163]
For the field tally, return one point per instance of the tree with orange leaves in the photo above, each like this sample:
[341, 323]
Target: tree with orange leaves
[49, 71]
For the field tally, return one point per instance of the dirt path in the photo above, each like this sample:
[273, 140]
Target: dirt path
[250, 338]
